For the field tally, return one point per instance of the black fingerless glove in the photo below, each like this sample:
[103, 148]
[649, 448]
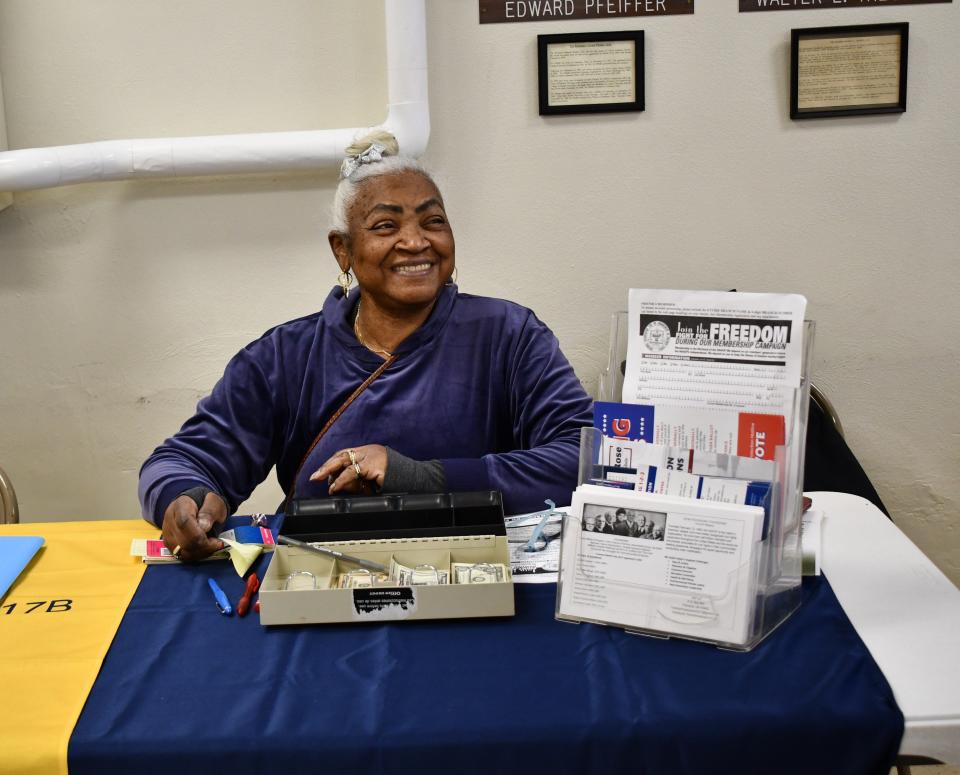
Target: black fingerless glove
[198, 494]
[405, 474]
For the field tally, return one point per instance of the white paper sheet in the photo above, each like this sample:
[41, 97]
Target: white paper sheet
[539, 566]
[710, 349]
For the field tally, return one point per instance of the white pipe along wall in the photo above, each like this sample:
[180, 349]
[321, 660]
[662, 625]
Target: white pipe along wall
[5, 198]
[408, 118]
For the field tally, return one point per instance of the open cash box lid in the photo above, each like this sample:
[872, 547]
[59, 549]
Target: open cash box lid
[407, 515]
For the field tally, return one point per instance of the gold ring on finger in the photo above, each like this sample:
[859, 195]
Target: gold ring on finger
[356, 465]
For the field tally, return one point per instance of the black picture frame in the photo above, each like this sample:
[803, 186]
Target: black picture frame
[803, 105]
[600, 105]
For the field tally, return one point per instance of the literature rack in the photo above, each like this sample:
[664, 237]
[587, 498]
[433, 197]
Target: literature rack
[749, 594]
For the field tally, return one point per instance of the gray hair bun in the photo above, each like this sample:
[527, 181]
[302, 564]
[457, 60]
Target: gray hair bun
[375, 153]
[369, 149]
[379, 137]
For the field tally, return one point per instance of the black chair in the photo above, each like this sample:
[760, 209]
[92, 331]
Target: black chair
[829, 463]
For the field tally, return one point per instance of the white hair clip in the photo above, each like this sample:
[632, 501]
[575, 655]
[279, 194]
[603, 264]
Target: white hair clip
[351, 164]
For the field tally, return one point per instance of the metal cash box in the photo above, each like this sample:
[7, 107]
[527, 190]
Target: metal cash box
[434, 530]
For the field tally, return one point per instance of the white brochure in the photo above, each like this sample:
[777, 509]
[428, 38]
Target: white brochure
[714, 350]
[669, 565]
[534, 557]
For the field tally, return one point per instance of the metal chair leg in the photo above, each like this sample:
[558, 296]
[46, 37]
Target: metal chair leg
[9, 509]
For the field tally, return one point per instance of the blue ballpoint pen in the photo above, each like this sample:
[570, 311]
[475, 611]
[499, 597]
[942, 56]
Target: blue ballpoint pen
[222, 603]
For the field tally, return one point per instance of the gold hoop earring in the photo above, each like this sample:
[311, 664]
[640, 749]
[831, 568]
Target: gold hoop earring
[345, 280]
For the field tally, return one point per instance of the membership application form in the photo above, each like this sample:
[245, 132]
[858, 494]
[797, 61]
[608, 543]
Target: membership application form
[714, 350]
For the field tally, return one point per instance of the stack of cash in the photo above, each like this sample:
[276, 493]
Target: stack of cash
[361, 580]
[478, 573]
[424, 575]
[421, 575]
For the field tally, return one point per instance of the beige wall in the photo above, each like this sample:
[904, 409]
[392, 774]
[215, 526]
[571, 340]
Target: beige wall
[121, 302]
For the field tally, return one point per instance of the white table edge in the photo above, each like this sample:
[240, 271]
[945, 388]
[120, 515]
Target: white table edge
[905, 610]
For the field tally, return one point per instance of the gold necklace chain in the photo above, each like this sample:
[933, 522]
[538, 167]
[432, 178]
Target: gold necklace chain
[356, 331]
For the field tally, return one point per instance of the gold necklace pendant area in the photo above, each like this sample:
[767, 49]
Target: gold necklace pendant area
[356, 331]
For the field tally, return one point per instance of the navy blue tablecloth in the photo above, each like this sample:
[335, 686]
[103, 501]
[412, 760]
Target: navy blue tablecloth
[185, 690]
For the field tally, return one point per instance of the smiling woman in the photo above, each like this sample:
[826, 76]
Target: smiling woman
[391, 232]
[405, 386]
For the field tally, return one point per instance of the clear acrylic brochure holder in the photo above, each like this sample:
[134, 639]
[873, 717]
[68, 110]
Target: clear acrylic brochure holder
[774, 573]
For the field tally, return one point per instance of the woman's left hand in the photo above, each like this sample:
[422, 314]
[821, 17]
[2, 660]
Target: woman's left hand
[355, 470]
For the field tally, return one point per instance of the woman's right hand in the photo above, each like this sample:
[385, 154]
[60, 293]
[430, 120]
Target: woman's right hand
[354, 470]
[185, 527]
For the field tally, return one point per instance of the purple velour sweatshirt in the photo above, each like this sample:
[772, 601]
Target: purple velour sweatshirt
[481, 386]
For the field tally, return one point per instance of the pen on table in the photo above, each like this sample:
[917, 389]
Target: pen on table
[253, 584]
[368, 564]
[222, 603]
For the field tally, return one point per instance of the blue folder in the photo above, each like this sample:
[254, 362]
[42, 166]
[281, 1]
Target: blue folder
[15, 554]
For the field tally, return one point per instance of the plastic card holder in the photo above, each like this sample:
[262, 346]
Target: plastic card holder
[746, 601]
[755, 595]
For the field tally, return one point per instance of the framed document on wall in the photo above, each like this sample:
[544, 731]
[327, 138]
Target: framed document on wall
[848, 71]
[591, 72]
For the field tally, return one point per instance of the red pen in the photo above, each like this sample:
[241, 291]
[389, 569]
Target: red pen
[253, 584]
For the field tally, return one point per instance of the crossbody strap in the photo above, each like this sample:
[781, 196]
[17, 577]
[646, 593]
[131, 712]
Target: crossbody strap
[332, 419]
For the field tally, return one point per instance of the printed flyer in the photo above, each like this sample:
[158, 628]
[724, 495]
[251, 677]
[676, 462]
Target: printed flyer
[712, 349]
[657, 563]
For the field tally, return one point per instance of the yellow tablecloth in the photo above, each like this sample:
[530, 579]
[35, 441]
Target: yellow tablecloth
[56, 623]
